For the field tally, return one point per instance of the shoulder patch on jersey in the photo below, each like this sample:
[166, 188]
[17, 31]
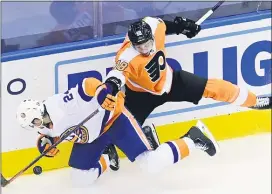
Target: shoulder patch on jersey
[121, 65]
[81, 135]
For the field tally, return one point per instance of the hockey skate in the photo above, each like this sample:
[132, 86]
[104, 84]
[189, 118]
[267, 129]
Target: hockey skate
[203, 139]
[263, 103]
[110, 150]
[152, 136]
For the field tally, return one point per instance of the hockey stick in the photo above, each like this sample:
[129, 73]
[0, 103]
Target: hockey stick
[5, 182]
[209, 13]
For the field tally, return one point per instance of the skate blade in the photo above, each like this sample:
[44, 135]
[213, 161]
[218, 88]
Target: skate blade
[204, 129]
[154, 131]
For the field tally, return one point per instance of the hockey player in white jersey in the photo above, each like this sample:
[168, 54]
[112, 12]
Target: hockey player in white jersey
[58, 114]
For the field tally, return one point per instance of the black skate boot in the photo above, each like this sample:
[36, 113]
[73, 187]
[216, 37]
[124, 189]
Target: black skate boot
[205, 142]
[263, 103]
[113, 157]
[152, 136]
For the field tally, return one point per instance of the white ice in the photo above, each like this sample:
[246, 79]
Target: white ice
[242, 167]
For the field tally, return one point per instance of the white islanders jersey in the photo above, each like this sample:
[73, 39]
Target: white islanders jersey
[66, 110]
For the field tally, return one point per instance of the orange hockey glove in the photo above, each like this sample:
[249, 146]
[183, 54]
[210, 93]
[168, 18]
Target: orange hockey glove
[44, 142]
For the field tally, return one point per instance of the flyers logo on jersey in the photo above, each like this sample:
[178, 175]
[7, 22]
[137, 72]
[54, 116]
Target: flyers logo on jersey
[81, 135]
[155, 66]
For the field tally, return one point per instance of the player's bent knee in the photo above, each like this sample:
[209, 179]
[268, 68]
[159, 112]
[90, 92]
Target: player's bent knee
[83, 178]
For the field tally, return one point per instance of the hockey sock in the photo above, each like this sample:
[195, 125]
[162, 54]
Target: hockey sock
[82, 178]
[225, 91]
[181, 148]
[104, 163]
[165, 155]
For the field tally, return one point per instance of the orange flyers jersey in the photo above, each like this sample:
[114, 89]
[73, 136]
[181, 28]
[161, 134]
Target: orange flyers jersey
[68, 109]
[146, 73]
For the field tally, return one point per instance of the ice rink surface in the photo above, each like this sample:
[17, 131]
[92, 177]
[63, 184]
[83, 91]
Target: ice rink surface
[242, 167]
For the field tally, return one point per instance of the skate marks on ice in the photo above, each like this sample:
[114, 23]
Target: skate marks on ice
[242, 166]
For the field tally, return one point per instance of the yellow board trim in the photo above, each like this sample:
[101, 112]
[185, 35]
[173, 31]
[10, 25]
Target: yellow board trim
[223, 127]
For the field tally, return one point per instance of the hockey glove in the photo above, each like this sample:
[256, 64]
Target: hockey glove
[105, 98]
[44, 142]
[106, 93]
[186, 27]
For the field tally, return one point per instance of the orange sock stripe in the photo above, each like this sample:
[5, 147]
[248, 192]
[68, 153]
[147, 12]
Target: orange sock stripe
[137, 128]
[183, 148]
[103, 164]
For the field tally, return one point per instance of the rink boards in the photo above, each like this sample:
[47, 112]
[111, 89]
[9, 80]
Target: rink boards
[237, 49]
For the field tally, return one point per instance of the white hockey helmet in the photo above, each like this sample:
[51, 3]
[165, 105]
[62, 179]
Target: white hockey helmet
[29, 110]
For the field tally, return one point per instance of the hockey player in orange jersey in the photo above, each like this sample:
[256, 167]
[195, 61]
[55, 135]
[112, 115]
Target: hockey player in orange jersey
[114, 124]
[141, 65]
